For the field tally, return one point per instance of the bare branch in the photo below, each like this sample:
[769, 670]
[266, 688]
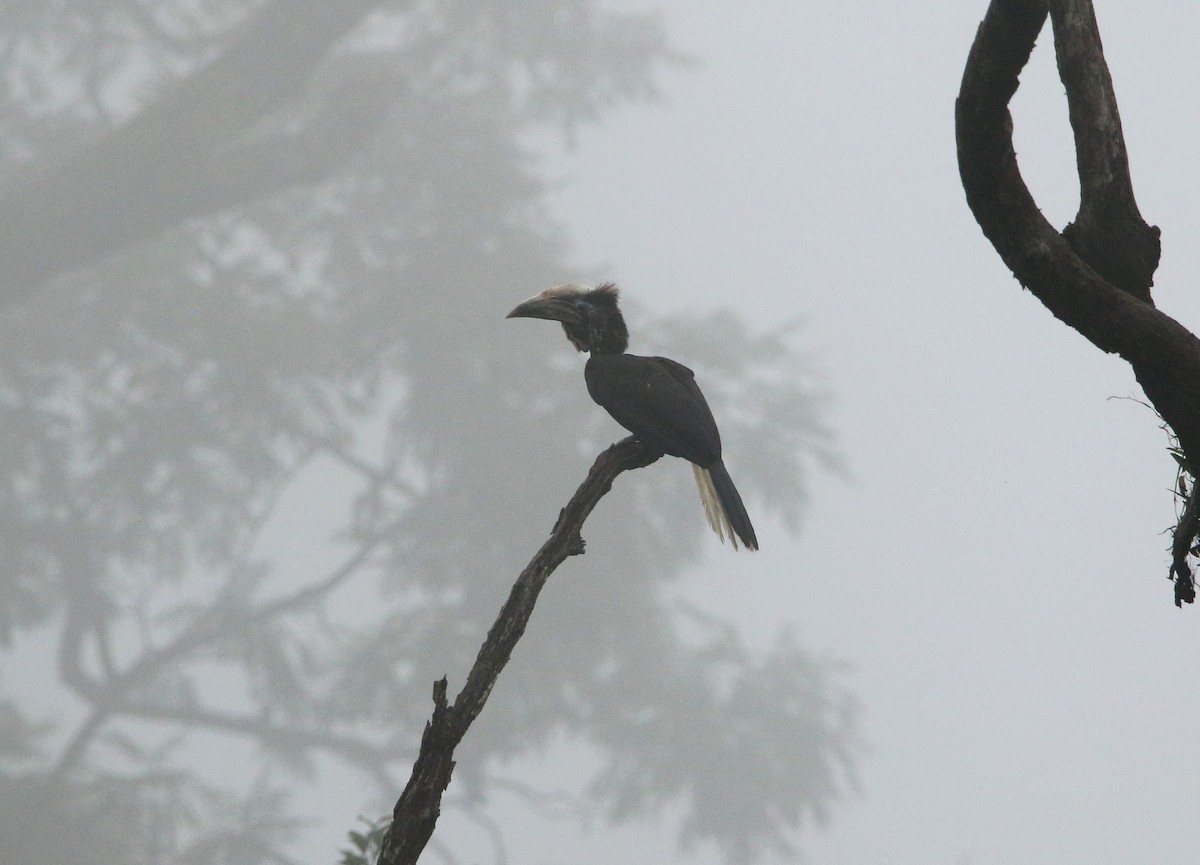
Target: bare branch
[1108, 232]
[1034, 251]
[419, 806]
[1095, 276]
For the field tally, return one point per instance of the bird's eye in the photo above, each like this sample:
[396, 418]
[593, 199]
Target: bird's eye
[582, 305]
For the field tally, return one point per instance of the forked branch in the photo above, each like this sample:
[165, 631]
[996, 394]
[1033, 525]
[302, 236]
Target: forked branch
[1096, 274]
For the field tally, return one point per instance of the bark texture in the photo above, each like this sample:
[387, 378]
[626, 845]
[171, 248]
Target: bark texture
[418, 808]
[1096, 274]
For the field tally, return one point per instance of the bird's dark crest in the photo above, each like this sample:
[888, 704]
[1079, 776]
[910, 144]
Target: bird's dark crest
[606, 325]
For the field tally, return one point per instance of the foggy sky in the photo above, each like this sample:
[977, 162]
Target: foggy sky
[996, 568]
[993, 568]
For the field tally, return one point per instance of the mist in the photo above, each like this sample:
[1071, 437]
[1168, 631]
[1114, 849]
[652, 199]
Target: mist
[275, 456]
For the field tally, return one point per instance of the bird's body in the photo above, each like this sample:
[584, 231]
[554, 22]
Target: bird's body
[655, 398]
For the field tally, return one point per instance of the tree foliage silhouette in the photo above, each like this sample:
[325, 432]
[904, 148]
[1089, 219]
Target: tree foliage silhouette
[271, 457]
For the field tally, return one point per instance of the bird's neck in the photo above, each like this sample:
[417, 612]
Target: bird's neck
[601, 348]
[608, 335]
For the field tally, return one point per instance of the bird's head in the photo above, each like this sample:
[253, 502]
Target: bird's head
[589, 316]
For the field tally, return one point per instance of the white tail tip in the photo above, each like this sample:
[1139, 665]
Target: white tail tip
[717, 518]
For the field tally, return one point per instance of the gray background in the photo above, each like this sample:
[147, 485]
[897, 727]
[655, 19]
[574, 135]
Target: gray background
[996, 568]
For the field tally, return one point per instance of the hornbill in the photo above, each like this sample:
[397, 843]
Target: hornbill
[655, 398]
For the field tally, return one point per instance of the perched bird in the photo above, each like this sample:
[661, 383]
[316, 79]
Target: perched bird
[655, 398]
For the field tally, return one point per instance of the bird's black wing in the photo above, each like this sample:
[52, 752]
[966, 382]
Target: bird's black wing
[658, 400]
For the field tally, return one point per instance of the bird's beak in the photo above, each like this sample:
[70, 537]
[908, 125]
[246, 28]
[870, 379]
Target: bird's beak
[549, 308]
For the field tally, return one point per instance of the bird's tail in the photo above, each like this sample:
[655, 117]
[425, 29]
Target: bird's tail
[723, 506]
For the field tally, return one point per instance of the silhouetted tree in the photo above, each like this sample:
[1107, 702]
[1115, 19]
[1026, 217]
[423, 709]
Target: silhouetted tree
[271, 458]
[1095, 275]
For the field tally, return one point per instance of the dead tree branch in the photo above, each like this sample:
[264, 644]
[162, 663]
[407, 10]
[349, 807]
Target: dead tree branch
[419, 806]
[1096, 274]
